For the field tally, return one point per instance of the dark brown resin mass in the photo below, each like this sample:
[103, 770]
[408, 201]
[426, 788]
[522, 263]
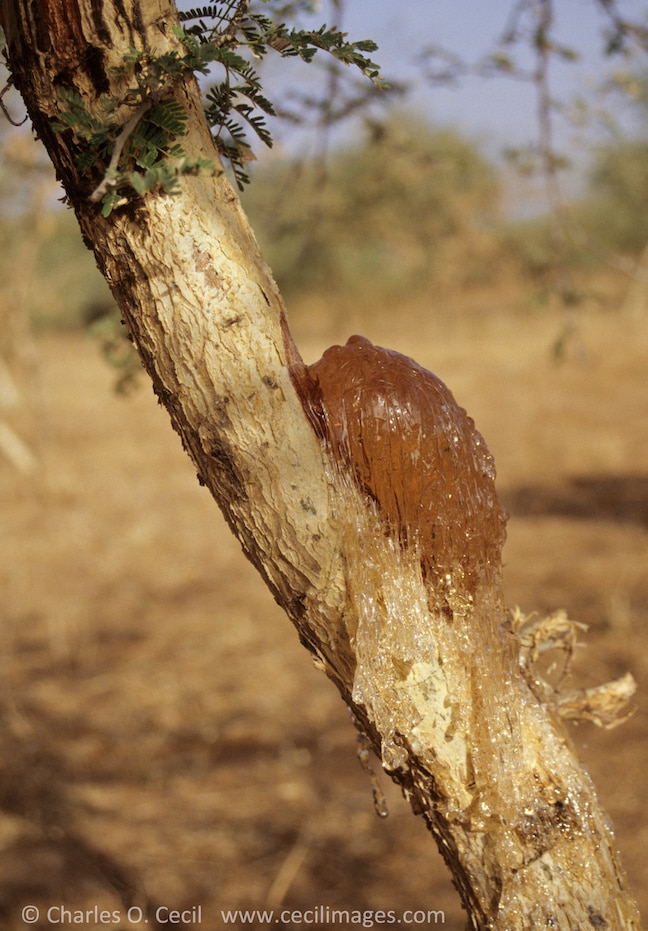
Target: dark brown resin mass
[408, 445]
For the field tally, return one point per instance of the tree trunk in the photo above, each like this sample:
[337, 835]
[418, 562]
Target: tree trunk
[412, 630]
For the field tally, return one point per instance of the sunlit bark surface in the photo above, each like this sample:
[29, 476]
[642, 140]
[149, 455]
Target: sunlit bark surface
[361, 492]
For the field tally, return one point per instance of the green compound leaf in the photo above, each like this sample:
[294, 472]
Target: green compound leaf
[135, 160]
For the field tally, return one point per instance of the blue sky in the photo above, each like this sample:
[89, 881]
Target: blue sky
[497, 112]
[494, 107]
[469, 27]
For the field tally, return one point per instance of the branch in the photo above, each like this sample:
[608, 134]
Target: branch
[624, 27]
[128, 129]
[4, 109]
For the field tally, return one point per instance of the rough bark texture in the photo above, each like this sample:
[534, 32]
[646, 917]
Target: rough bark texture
[414, 636]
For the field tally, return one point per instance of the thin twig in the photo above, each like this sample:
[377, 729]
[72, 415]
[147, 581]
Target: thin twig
[237, 18]
[289, 870]
[121, 140]
[624, 26]
[4, 108]
[549, 160]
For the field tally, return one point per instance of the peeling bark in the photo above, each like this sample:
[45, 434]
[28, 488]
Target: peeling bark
[418, 643]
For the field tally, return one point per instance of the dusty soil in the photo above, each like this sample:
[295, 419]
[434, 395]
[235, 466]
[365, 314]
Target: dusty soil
[165, 740]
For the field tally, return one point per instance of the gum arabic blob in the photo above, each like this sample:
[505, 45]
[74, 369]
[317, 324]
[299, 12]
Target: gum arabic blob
[398, 431]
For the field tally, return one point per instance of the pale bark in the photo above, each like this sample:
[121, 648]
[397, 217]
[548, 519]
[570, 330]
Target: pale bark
[432, 677]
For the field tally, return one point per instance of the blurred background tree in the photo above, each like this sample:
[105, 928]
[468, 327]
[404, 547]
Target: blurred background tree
[407, 208]
[614, 208]
[366, 198]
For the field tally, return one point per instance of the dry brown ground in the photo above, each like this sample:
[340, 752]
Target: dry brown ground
[164, 739]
